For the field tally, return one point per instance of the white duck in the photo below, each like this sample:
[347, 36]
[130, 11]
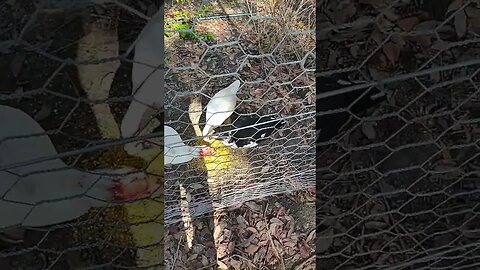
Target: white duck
[176, 152]
[220, 107]
[50, 192]
[147, 82]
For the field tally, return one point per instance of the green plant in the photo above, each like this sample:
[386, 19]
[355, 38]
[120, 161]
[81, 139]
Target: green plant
[182, 20]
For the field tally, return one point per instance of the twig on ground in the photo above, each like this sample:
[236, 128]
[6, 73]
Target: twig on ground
[176, 253]
[271, 240]
[302, 265]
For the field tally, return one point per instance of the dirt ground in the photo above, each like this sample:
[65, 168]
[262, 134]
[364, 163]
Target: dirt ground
[402, 185]
[276, 232]
[392, 191]
[49, 93]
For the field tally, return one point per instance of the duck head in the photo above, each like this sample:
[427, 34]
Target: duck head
[205, 151]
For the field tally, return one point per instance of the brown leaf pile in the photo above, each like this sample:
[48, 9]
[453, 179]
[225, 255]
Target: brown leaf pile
[264, 238]
[253, 235]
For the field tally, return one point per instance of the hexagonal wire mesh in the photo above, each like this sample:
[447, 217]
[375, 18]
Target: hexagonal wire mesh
[276, 68]
[65, 88]
[398, 187]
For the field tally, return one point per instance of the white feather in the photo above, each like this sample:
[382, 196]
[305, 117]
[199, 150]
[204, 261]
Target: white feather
[221, 106]
[48, 192]
[175, 151]
[147, 80]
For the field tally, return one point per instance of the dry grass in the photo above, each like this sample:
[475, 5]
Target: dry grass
[291, 18]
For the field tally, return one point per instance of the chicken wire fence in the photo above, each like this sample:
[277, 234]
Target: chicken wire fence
[66, 91]
[275, 64]
[65, 88]
[398, 186]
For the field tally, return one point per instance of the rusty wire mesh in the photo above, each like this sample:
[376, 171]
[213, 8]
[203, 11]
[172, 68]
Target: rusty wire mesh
[398, 187]
[66, 65]
[275, 65]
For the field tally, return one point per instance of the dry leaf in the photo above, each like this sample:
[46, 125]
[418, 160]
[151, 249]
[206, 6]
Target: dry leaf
[235, 206]
[473, 234]
[332, 59]
[461, 23]
[227, 233]
[231, 247]
[310, 236]
[251, 249]
[390, 15]
[276, 220]
[379, 60]
[204, 260]
[427, 26]
[473, 12]
[44, 112]
[374, 3]
[222, 250]
[222, 265]
[253, 230]
[6, 46]
[392, 51]
[17, 63]
[407, 24]
[375, 225]
[276, 230]
[325, 240]
[196, 186]
[377, 36]
[271, 258]
[256, 258]
[194, 265]
[217, 231]
[242, 222]
[304, 249]
[384, 24]
[261, 253]
[354, 51]
[254, 207]
[368, 129]
[377, 209]
[455, 5]
[235, 264]
[290, 231]
[422, 40]
[387, 187]
[260, 225]
[346, 13]
[475, 24]
[264, 242]
[435, 77]
[440, 45]
[278, 246]
[398, 39]
[378, 75]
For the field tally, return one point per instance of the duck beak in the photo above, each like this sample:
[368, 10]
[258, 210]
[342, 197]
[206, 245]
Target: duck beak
[207, 151]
